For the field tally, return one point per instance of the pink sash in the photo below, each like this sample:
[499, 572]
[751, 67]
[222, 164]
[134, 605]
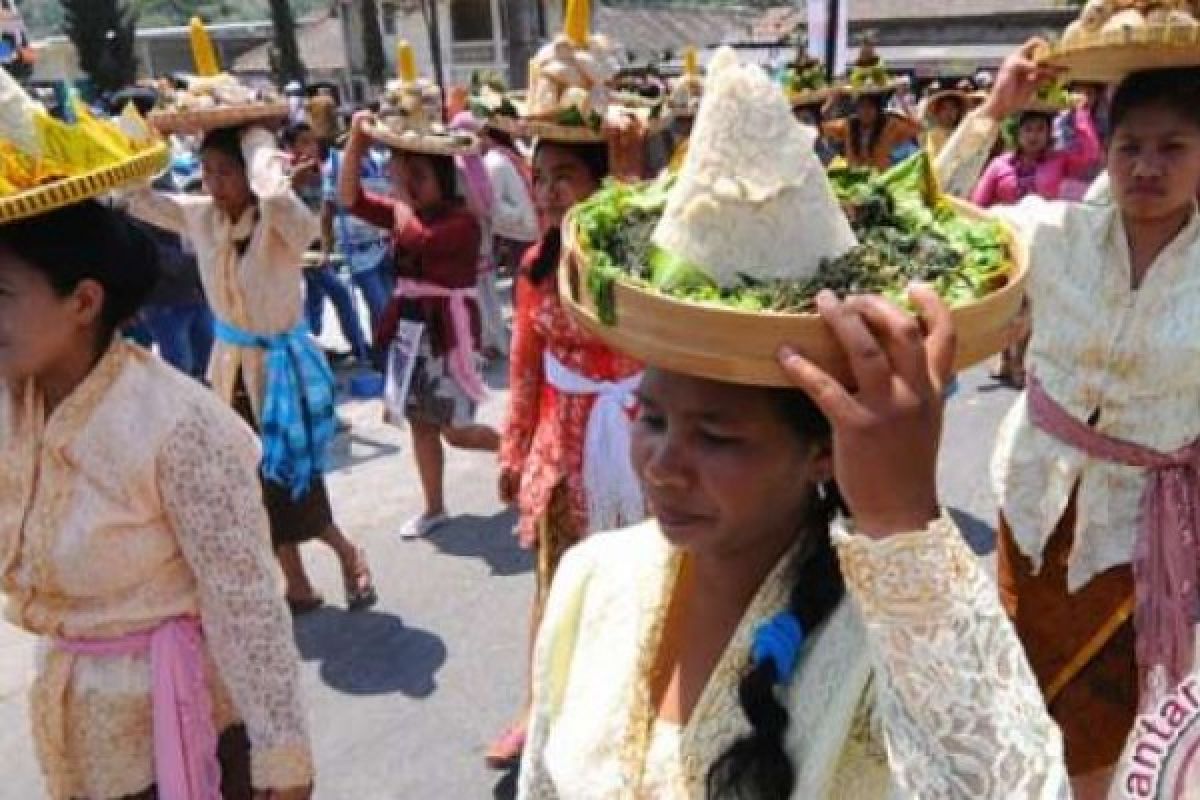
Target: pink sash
[1166, 558]
[461, 368]
[185, 739]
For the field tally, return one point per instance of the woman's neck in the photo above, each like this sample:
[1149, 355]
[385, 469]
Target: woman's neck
[1148, 238]
[58, 382]
[731, 580]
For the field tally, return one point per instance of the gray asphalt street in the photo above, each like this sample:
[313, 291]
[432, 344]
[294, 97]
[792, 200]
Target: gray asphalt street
[405, 698]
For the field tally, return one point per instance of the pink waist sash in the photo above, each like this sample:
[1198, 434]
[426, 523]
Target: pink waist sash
[1166, 558]
[461, 367]
[185, 738]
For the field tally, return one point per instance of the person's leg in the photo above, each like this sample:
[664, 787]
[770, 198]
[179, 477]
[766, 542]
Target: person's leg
[300, 591]
[314, 300]
[430, 458]
[343, 303]
[356, 574]
[473, 437]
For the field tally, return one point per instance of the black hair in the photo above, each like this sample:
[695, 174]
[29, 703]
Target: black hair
[502, 138]
[1027, 116]
[548, 255]
[293, 131]
[1175, 89]
[103, 246]
[594, 156]
[227, 141]
[876, 132]
[757, 765]
[444, 172]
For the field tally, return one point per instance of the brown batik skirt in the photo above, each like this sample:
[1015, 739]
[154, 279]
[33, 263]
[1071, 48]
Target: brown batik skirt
[556, 533]
[233, 752]
[292, 521]
[1081, 645]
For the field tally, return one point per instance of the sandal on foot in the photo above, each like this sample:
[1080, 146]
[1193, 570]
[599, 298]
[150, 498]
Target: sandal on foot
[423, 525]
[505, 752]
[360, 589]
[305, 605]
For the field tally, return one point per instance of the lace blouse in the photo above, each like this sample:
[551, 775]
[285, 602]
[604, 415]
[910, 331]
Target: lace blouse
[135, 501]
[916, 687]
[1129, 358]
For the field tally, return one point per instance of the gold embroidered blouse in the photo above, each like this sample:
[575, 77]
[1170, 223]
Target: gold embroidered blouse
[916, 687]
[137, 500]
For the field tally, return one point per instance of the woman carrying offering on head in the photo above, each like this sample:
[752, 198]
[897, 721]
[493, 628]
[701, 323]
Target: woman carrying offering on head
[1092, 467]
[872, 134]
[943, 110]
[749, 641]
[437, 244]
[133, 539]
[250, 231]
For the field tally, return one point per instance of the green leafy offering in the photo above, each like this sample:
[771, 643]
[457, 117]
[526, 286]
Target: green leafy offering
[810, 78]
[906, 233]
[574, 118]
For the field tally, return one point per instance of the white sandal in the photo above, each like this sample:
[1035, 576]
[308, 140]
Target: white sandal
[422, 525]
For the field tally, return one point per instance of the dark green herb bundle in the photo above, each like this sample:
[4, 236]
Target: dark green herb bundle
[906, 233]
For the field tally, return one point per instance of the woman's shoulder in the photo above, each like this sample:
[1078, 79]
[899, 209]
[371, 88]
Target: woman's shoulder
[615, 557]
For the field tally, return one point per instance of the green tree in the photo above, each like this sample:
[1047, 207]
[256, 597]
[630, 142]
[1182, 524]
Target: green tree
[375, 60]
[290, 66]
[103, 34]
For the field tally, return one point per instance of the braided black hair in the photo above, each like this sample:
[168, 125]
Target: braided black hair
[757, 766]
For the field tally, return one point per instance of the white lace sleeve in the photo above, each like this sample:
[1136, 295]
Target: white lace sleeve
[960, 709]
[210, 489]
[966, 154]
[166, 210]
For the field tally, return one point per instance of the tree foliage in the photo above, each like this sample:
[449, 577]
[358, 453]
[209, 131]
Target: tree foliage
[103, 34]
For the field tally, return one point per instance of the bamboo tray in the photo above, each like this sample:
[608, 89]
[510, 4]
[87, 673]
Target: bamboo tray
[1109, 57]
[68, 191]
[208, 119]
[733, 346]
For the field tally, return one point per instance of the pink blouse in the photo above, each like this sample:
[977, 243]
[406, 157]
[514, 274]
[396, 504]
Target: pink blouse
[1007, 180]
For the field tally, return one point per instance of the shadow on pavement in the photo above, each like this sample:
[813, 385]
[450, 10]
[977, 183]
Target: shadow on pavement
[370, 652]
[979, 535]
[487, 538]
[351, 450]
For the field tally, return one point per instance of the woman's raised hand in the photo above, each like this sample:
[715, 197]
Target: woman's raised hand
[887, 430]
[1018, 81]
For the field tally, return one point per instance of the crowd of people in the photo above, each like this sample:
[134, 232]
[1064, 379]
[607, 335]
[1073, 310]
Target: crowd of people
[740, 591]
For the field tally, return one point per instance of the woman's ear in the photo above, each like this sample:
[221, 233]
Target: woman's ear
[820, 463]
[87, 303]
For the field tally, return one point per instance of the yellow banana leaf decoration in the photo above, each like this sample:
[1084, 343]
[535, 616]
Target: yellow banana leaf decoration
[204, 55]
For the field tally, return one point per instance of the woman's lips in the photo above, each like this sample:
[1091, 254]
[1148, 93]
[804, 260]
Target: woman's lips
[675, 517]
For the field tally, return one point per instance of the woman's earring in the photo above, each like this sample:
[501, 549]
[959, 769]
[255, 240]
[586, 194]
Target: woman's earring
[822, 492]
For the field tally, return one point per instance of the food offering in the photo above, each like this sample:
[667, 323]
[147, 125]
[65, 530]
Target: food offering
[684, 100]
[805, 81]
[735, 248]
[1112, 38]
[47, 163]
[410, 116]
[571, 95]
[212, 99]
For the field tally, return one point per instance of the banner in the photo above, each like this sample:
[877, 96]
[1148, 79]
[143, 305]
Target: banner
[818, 32]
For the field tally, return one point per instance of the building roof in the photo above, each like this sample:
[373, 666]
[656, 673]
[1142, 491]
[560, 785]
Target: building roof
[776, 23]
[649, 31]
[322, 48]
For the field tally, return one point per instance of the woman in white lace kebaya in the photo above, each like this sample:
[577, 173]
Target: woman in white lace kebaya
[133, 539]
[1094, 465]
[745, 644]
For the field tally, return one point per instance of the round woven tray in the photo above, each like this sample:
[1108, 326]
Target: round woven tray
[221, 117]
[872, 88]
[526, 128]
[808, 97]
[69, 191]
[1109, 57]
[457, 144]
[732, 346]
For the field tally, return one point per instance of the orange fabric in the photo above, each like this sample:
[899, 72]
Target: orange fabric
[1096, 709]
[544, 434]
[896, 131]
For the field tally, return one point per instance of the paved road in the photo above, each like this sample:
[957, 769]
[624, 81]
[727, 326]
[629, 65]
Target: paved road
[406, 697]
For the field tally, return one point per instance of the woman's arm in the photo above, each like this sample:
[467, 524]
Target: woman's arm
[208, 477]
[291, 225]
[1085, 151]
[350, 181]
[962, 713]
[166, 210]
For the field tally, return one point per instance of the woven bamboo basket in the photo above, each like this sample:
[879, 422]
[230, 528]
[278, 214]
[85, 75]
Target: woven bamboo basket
[1109, 57]
[434, 144]
[733, 346]
[78, 188]
[527, 128]
[208, 119]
